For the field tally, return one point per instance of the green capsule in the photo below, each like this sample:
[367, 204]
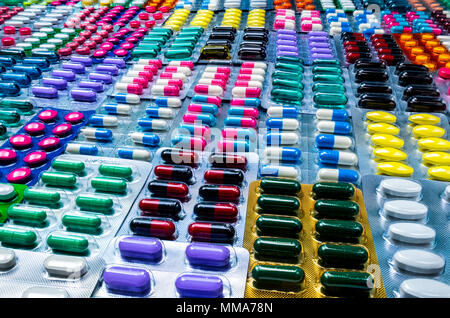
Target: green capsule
[68, 165]
[347, 280]
[188, 37]
[336, 209]
[18, 237]
[281, 82]
[3, 130]
[330, 99]
[9, 116]
[164, 31]
[156, 45]
[178, 53]
[144, 53]
[287, 75]
[326, 62]
[332, 255]
[289, 67]
[68, 243]
[22, 105]
[275, 204]
[280, 186]
[286, 95]
[333, 190]
[154, 37]
[149, 46]
[59, 179]
[289, 59]
[41, 196]
[328, 88]
[278, 277]
[326, 70]
[270, 225]
[95, 203]
[192, 29]
[15, 53]
[339, 230]
[116, 171]
[328, 78]
[182, 45]
[26, 214]
[113, 185]
[75, 222]
[277, 247]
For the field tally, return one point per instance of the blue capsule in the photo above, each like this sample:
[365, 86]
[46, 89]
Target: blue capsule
[278, 171]
[22, 79]
[40, 62]
[283, 154]
[167, 102]
[90, 150]
[134, 154]
[7, 61]
[147, 139]
[282, 123]
[340, 175]
[102, 121]
[33, 71]
[207, 119]
[98, 133]
[234, 146]
[334, 127]
[9, 89]
[152, 124]
[239, 133]
[204, 108]
[237, 121]
[253, 102]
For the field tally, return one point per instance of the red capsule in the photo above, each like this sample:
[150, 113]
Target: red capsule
[169, 189]
[226, 193]
[216, 211]
[221, 176]
[211, 232]
[223, 160]
[176, 173]
[160, 207]
[175, 156]
[163, 229]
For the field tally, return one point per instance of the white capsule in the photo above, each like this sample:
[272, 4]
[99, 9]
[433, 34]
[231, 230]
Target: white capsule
[160, 112]
[65, 266]
[243, 92]
[206, 81]
[279, 171]
[163, 81]
[213, 90]
[180, 76]
[342, 142]
[253, 71]
[44, 292]
[347, 158]
[405, 209]
[411, 233]
[419, 261]
[424, 288]
[282, 139]
[180, 69]
[15, 23]
[105, 120]
[128, 79]
[255, 77]
[252, 84]
[120, 109]
[211, 75]
[135, 154]
[256, 65]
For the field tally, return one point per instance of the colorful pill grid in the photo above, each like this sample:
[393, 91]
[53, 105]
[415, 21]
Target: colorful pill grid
[133, 133]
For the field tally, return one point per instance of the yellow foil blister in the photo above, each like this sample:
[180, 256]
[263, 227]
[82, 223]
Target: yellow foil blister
[320, 268]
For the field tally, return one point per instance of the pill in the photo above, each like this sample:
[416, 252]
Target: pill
[338, 229]
[280, 186]
[160, 207]
[45, 92]
[27, 215]
[332, 127]
[75, 222]
[65, 266]
[68, 243]
[224, 160]
[7, 192]
[7, 156]
[97, 133]
[207, 255]
[281, 139]
[19, 175]
[335, 157]
[211, 232]
[277, 277]
[7, 259]
[333, 141]
[68, 165]
[95, 203]
[418, 261]
[216, 211]
[195, 286]
[340, 175]
[280, 248]
[168, 102]
[424, 119]
[356, 281]
[411, 233]
[82, 149]
[281, 204]
[175, 173]
[424, 288]
[59, 179]
[175, 156]
[336, 209]
[169, 189]
[145, 226]
[346, 256]
[282, 123]
[405, 209]
[141, 248]
[127, 280]
[220, 193]
[332, 114]
[74, 118]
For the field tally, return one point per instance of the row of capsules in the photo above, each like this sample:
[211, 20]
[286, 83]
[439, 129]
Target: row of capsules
[367, 22]
[6, 13]
[282, 4]
[309, 241]
[36, 17]
[347, 6]
[409, 225]
[441, 19]
[220, 42]
[337, 21]
[255, 38]
[310, 20]
[405, 147]
[304, 5]
[284, 19]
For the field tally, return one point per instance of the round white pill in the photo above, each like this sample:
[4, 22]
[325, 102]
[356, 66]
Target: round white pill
[413, 233]
[424, 288]
[65, 266]
[7, 192]
[419, 261]
[400, 188]
[7, 259]
[44, 292]
[405, 209]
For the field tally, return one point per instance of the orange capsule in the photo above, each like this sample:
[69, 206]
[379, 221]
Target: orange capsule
[422, 58]
[431, 66]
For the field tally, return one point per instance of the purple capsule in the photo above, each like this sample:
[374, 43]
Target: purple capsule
[318, 56]
[78, 68]
[319, 44]
[117, 62]
[317, 39]
[67, 75]
[44, 92]
[58, 83]
[204, 286]
[145, 248]
[85, 60]
[95, 86]
[319, 50]
[83, 95]
[318, 33]
[286, 42]
[287, 53]
[289, 32]
[127, 280]
[287, 48]
[109, 69]
[105, 78]
[204, 254]
[286, 37]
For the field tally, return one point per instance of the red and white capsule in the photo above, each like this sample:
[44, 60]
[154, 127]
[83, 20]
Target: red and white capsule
[213, 90]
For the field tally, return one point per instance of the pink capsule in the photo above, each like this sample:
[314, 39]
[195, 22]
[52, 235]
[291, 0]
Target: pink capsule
[212, 69]
[165, 90]
[189, 64]
[148, 68]
[49, 143]
[146, 74]
[48, 115]
[20, 175]
[208, 89]
[247, 122]
[210, 100]
[254, 64]
[20, 142]
[210, 81]
[246, 92]
[62, 130]
[178, 69]
[245, 111]
[197, 130]
[168, 81]
[248, 84]
[158, 63]
[237, 133]
[35, 128]
[35, 159]
[172, 76]
[254, 71]
[222, 76]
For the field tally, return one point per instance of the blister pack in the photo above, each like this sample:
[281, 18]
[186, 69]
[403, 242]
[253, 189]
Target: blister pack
[409, 221]
[10, 194]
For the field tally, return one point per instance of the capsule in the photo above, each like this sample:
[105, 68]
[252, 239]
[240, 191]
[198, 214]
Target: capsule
[278, 277]
[336, 209]
[280, 248]
[207, 255]
[275, 204]
[174, 156]
[176, 173]
[94, 203]
[160, 207]
[226, 212]
[332, 114]
[339, 230]
[211, 232]
[68, 165]
[282, 154]
[279, 226]
[220, 193]
[26, 214]
[110, 185]
[18, 237]
[81, 222]
[169, 189]
[220, 176]
[82, 149]
[280, 186]
[68, 243]
[59, 179]
[347, 282]
[223, 160]
[335, 157]
[333, 141]
[115, 171]
[346, 256]
[340, 175]
[333, 127]
[163, 229]
[101, 134]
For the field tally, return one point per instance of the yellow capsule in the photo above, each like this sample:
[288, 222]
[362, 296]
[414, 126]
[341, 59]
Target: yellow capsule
[436, 158]
[424, 119]
[434, 143]
[382, 128]
[389, 154]
[385, 140]
[381, 117]
[396, 169]
[441, 173]
[423, 131]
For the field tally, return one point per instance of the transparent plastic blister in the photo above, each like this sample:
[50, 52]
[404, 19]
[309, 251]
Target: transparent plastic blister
[405, 237]
[174, 212]
[77, 216]
[224, 267]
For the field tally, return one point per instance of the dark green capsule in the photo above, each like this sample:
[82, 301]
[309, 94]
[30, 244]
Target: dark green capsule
[41, 196]
[336, 209]
[112, 185]
[278, 277]
[289, 59]
[178, 53]
[286, 95]
[280, 186]
[281, 82]
[26, 214]
[75, 221]
[348, 280]
[275, 204]
[339, 229]
[326, 62]
[328, 78]
[277, 247]
[333, 190]
[149, 47]
[18, 237]
[116, 171]
[59, 179]
[22, 105]
[282, 226]
[9, 116]
[68, 243]
[328, 88]
[95, 203]
[287, 75]
[144, 53]
[182, 45]
[330, 99]
[326, 70]
[332, 255]
[68, 165]
[289, 67]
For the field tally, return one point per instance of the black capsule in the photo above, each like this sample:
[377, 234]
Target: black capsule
[363, 75]
[177, 157]
[224, 29]
[373, 87]
[410, 67]
[219, 42]
[224, 176]
[255, 29]
[212, 52]
[420, 90]
[245, 44]
[222, 35]
[376, 101]
[160, 207]
[219, 211]
[211, 232]
[225, 193]
[412, 77]
[253, 36]
[425, 104]
[360, 49]
[364, 64]
[252, 53]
